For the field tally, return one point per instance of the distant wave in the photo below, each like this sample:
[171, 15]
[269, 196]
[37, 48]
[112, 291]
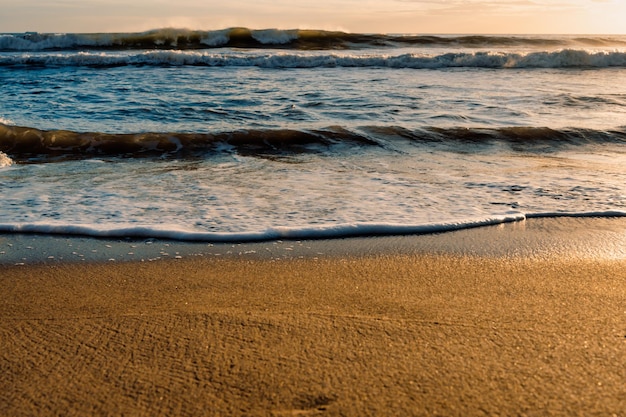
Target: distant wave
[302, 39]
[25, 142]
[567, 58]
[321, 232]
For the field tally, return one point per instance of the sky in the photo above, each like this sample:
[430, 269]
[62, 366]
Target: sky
[365, 16]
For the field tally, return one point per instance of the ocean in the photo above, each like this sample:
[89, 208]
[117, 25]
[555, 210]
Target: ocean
[245, 135]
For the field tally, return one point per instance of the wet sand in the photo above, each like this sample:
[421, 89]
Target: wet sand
[535, 329]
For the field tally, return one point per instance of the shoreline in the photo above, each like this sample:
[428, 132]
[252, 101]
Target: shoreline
[579, 237]
[461, 324]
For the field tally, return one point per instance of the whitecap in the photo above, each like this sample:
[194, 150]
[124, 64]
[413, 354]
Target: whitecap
[5, 161]
[275, 36]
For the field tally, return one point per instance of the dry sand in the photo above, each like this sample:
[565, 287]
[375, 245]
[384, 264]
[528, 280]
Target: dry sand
[363, 334]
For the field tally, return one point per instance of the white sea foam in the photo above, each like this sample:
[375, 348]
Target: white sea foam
[496, 60]
[291, 233]
[215, 38]
[5, 161]
[321, 232]
[274, 36]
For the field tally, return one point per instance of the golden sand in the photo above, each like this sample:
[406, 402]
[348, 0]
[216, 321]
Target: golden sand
[353, 335]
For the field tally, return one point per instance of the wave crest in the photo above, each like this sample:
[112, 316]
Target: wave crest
[25, 142]
[172, 38]
[5, 161]
[567, 58]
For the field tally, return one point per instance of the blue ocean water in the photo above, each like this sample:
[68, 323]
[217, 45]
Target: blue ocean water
[240, 135]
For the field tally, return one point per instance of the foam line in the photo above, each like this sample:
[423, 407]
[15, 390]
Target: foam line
[277, 233]
[567, 58]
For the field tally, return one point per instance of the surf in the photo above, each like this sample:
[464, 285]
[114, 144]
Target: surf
[563, 59]
[298, 39]
[29, 142]
[342, 231]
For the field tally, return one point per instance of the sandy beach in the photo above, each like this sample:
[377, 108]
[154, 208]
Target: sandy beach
[533, 325]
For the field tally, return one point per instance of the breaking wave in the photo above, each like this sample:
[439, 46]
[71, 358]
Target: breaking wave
[567, 58]
[170, 38]
[26, 142]
[5, 161]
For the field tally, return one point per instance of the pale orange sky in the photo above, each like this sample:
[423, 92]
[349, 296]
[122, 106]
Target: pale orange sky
[388, 16]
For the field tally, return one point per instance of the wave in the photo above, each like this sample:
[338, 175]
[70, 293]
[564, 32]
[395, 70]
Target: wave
[567, 58]
[24, 143]
[5, 161]
[301, 39]
[287, 233]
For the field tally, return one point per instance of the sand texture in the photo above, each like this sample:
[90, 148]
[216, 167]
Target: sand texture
[351, 335]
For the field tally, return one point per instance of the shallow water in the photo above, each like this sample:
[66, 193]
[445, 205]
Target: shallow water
[561, 239]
